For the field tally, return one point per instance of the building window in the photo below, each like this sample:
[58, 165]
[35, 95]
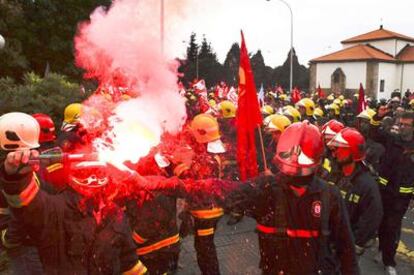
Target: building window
[382, 85]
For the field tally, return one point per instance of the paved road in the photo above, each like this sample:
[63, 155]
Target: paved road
[238, 250]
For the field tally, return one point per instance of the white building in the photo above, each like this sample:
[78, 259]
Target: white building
[382, 60]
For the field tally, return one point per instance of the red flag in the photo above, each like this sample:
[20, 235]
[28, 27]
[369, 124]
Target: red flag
[362, 104]
[248, 117]
[321, 94]
[295, 95]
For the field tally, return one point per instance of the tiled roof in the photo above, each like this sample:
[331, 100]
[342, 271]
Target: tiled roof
[407, 54]
[356, 53]
[379, 34]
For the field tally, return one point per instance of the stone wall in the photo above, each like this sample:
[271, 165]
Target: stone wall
[312, 76]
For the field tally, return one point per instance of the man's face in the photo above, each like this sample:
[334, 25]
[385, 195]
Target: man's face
[406, 128]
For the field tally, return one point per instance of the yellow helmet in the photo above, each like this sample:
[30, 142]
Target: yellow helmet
[356, 95]
[292, 113]
[411, 103]
[318, 113]
[205, 128]
[338, 102]
[283, 97]
[330, 97]
[212, 103]
[341, 97]
[308, 104]
[267, 110]
[227, 109]
[367, 114]
[279, 123]
[335, 108]
[72, 113]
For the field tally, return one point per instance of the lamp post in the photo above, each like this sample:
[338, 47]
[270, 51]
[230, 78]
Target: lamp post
[162, 26]
[291, 42]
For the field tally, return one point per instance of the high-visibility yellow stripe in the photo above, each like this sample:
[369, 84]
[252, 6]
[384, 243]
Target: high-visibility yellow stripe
[205, 232]
[25, 197]
[156, 246]
[327, 165]
[54, 167]
[383, 181]
[406, 190]
[208, 214]
[138, 269]
[137, 238]
[4, 211]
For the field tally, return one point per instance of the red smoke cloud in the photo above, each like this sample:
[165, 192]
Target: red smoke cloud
[120, 47]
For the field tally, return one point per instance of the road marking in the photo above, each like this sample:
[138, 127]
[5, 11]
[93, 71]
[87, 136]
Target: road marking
[404, 250]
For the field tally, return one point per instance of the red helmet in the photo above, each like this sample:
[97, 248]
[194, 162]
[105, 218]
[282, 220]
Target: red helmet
[88, 177]
[350, 144]
[299, 150]
[47, 127]
[331, 128]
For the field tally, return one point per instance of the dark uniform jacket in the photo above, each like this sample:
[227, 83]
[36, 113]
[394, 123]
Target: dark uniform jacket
[363, 202]
[71, 240]
[396, 171]
[297, 248]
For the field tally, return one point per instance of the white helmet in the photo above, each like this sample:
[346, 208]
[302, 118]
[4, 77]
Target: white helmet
[18, 131]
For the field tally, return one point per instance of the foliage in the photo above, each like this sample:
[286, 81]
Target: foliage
[47, 95]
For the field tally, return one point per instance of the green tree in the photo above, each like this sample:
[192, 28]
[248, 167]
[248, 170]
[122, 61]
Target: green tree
[35, 94]
[40, 33]
[300, 73]
[209, 67]
[231, 65]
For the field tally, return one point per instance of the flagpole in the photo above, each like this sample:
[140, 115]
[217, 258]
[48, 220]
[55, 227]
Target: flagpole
[262, 145]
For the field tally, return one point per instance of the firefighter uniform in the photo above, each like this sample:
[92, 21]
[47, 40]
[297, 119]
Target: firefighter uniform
[396, 181]
[296, 232]
[363, 202]
[70, 239]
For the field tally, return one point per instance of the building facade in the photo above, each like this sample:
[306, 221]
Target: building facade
[381, 60]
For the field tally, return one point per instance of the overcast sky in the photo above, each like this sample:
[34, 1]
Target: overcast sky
[319, 25]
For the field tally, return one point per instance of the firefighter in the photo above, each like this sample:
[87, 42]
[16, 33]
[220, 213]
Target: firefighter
[319, 117]
[306, 108]
[291, 113]
[21, 131]
[358, 187]
[47, 137]
[347, 113]
[329, 170]
[227, 121]
[334, 111]
[298, 215]
[374, 149]
[79, 231]
[152, 217]
[275, 125]
[396, 180]
[72, 132]
[52, 174]
[207, 163]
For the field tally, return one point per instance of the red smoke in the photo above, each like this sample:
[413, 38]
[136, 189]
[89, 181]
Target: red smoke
[120, 48]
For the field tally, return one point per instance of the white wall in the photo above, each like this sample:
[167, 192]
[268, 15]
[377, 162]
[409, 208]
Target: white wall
[388, 72]
[401, 44]
[355, 73]
[408, 77]
[390, 46]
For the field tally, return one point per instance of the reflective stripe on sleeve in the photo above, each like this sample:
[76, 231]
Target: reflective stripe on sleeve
[158, 245]
[205, 232]
[54, 167]
[25, 197]
[137, 238]
[138, 269]
[383, 181]
[406, 190]
[208, 214]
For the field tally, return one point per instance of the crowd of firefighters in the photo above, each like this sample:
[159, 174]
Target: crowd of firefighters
[331, 181]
